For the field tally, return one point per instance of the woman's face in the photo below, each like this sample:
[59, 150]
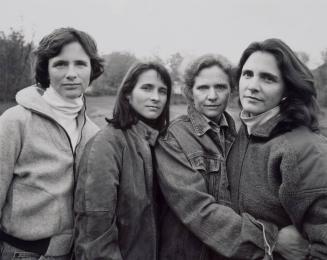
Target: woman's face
[261, 84]
[149, 96]
[70, 71]
[211, 92]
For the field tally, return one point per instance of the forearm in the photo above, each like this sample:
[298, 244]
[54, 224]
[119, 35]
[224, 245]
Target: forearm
[218, 226]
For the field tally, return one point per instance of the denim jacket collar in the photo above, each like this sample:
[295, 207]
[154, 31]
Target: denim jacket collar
[146, 132]
[201, 124]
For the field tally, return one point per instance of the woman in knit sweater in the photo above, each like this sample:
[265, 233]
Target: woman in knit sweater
[41, 140]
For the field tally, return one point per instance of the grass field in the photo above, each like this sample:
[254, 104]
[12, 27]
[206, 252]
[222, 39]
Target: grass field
[100, 107]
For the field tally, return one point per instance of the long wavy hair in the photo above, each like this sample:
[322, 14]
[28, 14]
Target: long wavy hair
[300, 108]
[124, 116]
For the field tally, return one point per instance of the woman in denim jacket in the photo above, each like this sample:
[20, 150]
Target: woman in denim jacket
[277, 166]
[117, 195]
[200, 223]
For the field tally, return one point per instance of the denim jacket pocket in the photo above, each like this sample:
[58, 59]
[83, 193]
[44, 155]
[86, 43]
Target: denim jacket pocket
[210, 169]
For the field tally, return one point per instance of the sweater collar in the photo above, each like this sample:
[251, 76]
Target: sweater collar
[62, 106]
[253, 122]
[266, 130]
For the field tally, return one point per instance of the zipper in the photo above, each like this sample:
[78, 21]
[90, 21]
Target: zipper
[269, 248]
[69, 140]
[248, 140]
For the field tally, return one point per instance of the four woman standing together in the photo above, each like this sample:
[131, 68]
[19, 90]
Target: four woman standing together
[147, 189]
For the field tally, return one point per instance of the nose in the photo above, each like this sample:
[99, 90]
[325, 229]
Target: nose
[71, 73]
[212, 94]
[254, 84]
[155, 96]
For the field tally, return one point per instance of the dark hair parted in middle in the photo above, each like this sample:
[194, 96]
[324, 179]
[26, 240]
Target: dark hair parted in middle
[124, 115]
[204, 62]
[300, 106]
[51, 46]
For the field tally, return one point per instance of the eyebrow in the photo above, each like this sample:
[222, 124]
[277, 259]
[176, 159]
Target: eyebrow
[275, 77]
[60, 62]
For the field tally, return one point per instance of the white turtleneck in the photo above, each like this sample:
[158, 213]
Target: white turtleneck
[252, 122]
[65, 112]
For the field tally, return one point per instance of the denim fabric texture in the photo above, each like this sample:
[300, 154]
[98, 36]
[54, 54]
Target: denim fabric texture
[193, 179]
[8, 252]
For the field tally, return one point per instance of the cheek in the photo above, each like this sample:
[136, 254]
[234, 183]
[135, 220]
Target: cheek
[54, 76]
[241, 86]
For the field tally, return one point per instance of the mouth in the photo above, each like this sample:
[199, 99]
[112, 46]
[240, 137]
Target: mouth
[212, 106]
[253, 98]
[153, 107]
[71, 84]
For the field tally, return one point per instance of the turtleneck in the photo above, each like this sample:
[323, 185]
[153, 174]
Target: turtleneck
[65, 111]
[252, 122]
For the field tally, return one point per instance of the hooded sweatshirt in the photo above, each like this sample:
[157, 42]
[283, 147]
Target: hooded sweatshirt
[37, 167]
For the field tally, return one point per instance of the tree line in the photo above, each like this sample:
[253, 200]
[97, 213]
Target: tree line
[16, 68]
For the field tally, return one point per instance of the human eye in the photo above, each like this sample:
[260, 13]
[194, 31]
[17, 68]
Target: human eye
[221, 86]
[269, 78]
[202, 87]
[163, 90]
[147, 87]
[247, 74]
[59, 64]
[81, 63]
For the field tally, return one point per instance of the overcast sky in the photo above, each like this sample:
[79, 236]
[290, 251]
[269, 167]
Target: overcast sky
[162, 27]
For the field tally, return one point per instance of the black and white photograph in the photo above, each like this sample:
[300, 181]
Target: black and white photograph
[163, 130]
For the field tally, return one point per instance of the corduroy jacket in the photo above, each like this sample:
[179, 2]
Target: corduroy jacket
[116, 196]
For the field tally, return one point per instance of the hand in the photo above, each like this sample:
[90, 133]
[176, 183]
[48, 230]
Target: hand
[291, 245]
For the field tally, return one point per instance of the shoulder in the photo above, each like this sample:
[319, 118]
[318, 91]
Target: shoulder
[305, 159]
[15, 116]
[90, 127]
[109, 135]
[179, 125]
[303, 139]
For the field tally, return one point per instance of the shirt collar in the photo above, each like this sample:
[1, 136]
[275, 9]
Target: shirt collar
[202, 124]
[146, 132]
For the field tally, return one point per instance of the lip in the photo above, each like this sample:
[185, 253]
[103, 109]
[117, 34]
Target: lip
[253, 98]
[153, 107]
[211, 106]
[71, 84]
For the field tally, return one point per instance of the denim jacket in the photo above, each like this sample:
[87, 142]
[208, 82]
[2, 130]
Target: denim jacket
[193, 179]
[115, 201]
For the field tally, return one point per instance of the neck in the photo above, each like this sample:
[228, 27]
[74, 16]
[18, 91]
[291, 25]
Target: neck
[60, 103]
[252, 121]
[153, 123]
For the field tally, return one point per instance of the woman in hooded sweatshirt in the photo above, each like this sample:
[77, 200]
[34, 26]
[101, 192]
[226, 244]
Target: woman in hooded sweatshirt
[41, 140]
[117, 195]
